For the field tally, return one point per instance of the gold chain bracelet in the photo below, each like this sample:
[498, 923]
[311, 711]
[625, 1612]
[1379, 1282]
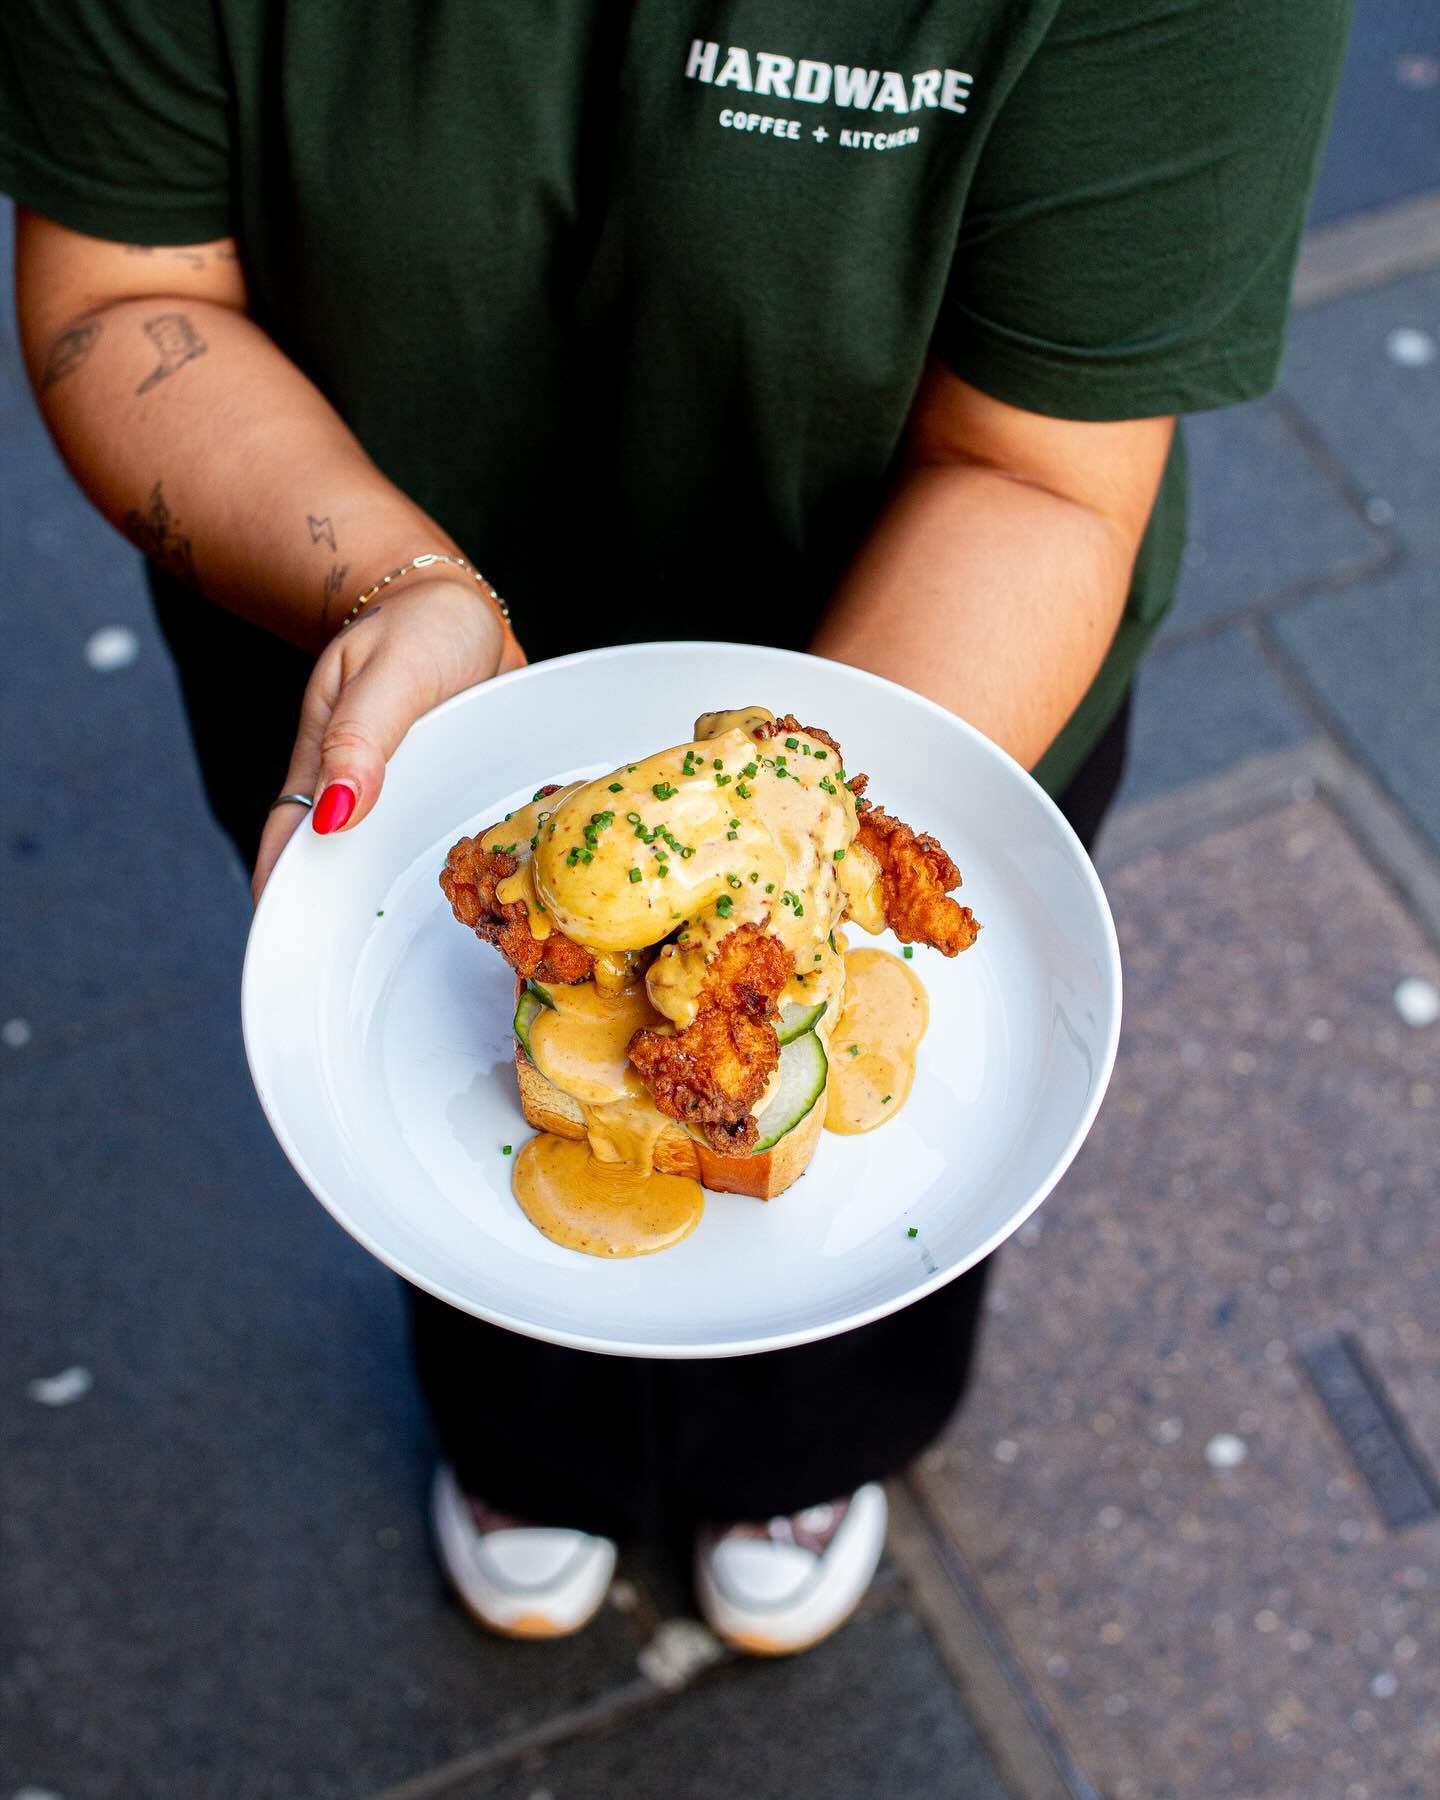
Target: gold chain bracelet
[424, 562]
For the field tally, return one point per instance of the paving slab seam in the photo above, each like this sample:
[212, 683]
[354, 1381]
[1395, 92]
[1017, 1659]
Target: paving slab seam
[1334, 580]
[610, 1708]
[1375, 814]
[1023, 1740]
[1264, 783]
[613, 1708]
[1367, 249]
[1326, 462]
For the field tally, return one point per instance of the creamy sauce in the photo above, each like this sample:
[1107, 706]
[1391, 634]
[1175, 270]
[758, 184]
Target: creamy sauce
[602, 1208]
[874, 1041]
[601, 1195]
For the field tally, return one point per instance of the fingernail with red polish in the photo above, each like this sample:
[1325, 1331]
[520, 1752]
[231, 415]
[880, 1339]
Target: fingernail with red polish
[333, 807]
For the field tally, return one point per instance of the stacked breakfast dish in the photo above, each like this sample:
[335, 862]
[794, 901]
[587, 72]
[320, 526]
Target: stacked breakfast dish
[689, 1015]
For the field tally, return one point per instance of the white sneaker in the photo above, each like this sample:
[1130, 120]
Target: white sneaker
[524, 1581]
[780, 1587]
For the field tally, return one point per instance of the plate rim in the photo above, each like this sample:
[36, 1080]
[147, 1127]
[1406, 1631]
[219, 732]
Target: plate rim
[718, 1350]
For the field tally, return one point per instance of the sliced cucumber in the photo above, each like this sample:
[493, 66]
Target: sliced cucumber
[795, 1021]
[542, 994]
[803, 1069]
[526, 1013]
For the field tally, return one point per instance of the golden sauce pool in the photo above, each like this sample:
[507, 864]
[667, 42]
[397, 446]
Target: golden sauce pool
[874, 1043]
[602, 1208]
[601, 1194]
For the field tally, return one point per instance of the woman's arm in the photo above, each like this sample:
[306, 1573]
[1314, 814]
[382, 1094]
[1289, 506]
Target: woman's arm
[994, 579]
[208, 448]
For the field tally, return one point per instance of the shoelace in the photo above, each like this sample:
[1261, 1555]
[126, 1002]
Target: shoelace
[812, 1529]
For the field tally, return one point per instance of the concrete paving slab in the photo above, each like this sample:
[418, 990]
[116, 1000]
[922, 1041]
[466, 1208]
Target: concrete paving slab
[120, 893]
[218, 1580]
[1373, 655]
[867, 1716]
[1264, 520]
[1382, 142]
[1180, 1544]
[1365, 374]
[1202, 706]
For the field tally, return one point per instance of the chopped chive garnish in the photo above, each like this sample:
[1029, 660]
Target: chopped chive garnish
[632, 818]
[615, 786]
[833, 945]
[380, 914]
[634, 874]
[885, 1099]
[722, 781]
[840, 855]
[662, 790]
[724, 906]
[792, 743]
[780, 761]
[732, 881]
[822, 754]
[817, 956]
[505, 1149]
[769, 887]
[854, 1049]
[717, 764]
[914, 1231]
[754, 874]
[687, 851]
[629, 768]
[732, 834]
[663, 870]
[743, 791]
[909, 952]
[779, 770]
[539, 794]
[805, 750]
[751, 769]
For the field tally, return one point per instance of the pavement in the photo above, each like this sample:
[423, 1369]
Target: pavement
[1185, 1539]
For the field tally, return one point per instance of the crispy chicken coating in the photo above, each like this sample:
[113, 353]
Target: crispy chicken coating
[712, 1073]
[916, 876]
[469, 878]
[790, 725]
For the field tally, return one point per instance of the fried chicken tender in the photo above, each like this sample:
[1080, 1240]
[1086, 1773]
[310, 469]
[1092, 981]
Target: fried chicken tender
[916, 876]
[469, 879]
[712, 1073]
[790, 726]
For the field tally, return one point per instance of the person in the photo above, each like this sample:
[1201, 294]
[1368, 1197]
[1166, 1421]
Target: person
[858, 328]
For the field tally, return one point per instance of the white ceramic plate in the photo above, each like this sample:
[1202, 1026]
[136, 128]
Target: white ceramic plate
[378, 1029]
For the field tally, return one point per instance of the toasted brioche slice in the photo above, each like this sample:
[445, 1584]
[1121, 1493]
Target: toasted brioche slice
[764, 1174]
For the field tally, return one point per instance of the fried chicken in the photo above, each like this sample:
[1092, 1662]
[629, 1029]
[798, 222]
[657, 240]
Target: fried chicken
[712, 1073]
[916, 876]
[469, 878]
[789, 726]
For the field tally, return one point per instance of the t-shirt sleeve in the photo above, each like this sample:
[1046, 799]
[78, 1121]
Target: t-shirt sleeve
[1129, 241]
[115, 117]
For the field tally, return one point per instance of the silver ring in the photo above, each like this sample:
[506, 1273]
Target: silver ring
[298, 799]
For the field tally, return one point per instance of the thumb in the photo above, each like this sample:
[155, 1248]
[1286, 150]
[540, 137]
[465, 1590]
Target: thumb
[372, 713]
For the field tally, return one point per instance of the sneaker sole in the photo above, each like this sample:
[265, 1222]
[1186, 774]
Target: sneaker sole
[754, 1643]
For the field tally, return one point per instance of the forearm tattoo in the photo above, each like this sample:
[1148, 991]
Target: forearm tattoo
[176, 342]
[334, 586]
[69, 350]
[156, 534]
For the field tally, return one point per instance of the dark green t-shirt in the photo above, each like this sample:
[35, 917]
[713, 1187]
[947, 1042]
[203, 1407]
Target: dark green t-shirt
[634, 298]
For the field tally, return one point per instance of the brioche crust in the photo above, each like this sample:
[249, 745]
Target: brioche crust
[762, 1174]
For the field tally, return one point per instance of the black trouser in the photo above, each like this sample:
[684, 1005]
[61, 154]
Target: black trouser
[619, 1445]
